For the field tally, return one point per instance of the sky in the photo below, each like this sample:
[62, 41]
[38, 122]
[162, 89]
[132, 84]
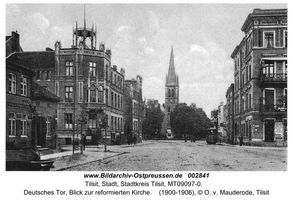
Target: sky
[140, 37]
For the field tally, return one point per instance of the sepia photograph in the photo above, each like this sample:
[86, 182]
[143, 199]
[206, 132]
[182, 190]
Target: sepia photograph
[146, 87]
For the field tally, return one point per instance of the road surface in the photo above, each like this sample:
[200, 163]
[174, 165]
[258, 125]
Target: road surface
[167, 155]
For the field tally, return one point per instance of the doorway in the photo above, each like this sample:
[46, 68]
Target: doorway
[269, 130]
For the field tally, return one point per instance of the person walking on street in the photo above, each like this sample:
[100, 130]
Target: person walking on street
[83, 141]
[240, 140]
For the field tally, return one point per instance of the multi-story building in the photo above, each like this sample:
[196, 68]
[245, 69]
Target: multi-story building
[40, 104]
[91, 89]
[134, 108]
[260, 91]
[18, 106]
[230, 114]
[222, 121]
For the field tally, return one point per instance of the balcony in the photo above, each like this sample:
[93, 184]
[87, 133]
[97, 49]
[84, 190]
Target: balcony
[274, 78]
[273, 108]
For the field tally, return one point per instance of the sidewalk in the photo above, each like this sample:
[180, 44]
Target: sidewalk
[65, 159]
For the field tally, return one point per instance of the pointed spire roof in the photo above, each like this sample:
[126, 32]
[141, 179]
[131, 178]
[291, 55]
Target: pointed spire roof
[172, 78]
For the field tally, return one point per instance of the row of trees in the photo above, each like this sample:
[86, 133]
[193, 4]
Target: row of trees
[151, 127]
[187, 122]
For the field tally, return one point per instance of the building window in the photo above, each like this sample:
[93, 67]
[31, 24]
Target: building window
[112, 122]
[269, 39]
[68, 120]
[115, 101]
[112, 99]
[80, 92]
[48, 127]
[100, 96]
[250, 102]
[68, 93]
[107, 98]
[285, 39]
[92, 120]
[269, 99]
[23, 126]
[69, 68]
[269, 69]
[93, 95]
[57, 88]
[92, 69]
[12, 83]
[107, 68]
[12, 124]
[23, 86]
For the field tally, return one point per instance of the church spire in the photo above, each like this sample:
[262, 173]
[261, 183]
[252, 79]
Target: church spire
[172, 76]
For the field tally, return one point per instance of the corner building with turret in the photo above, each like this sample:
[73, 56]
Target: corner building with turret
[90, 87]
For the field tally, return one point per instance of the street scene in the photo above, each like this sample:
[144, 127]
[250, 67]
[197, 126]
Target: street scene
[151, 87]
[180, 156]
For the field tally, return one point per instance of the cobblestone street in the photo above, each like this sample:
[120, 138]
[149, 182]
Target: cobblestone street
[181, 156]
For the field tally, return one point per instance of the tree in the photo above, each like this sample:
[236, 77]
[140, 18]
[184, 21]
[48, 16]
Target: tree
[189, 121]
[152, 124]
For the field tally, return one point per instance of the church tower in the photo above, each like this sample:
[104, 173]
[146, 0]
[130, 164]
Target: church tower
[171, 97]
[171, 86]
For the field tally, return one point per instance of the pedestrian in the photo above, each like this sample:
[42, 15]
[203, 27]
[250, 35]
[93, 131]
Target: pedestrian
[240, 140]
[128, 140]
[83, 141]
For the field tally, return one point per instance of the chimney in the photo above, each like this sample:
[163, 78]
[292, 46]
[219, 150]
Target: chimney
[15, 41]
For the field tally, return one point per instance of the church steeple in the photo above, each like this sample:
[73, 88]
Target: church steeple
[172, 78]
[172, 85]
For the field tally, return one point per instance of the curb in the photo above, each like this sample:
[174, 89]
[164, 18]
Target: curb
[99, 160]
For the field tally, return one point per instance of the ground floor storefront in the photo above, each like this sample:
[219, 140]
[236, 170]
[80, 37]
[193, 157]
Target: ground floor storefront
[260, 129]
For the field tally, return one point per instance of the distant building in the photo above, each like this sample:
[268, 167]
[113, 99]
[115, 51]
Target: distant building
[230, 114]
[134, 108]
[171, 97]
[260, 90]
[152, 103]
[222, 120]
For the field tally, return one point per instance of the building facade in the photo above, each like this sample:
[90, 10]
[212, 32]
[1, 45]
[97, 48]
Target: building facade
[39, 103]
[260, 88]
[171, 97]
[90, 88]
[134, 108]
[230, 114]
[222, 121]
[44, 117]
[18, 106]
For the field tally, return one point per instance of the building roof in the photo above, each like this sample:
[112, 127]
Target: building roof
[36, 60]
[18, 66]
[263, 13]
[40, 93]
[172, 77]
